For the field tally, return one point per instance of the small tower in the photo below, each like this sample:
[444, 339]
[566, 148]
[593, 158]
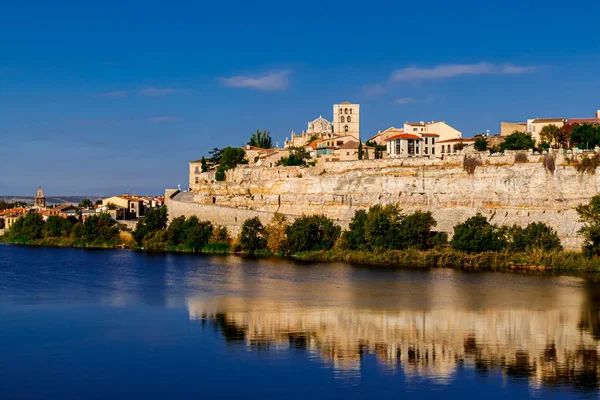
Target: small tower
[346, 119]
[40, 199]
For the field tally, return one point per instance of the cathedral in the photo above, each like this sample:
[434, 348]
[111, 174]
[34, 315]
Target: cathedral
[346, 122]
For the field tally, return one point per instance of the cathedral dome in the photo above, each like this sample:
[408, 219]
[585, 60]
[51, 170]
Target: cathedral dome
[319, 125]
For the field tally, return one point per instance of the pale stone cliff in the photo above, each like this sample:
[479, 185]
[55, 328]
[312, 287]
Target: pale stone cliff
[503, 191]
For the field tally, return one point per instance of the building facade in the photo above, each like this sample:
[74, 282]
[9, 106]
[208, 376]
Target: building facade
[346, 119]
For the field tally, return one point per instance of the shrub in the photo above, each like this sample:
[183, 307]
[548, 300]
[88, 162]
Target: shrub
[219, 235]
[471, 163]
[252, 236]
[415, 231]
[589, 214]
[477, 235]
[521, 157]
[481, 143]
[310, 233]
[588, 164]
[439, 239]
[354, 237]
[536, 236]
[549, 163]
[196, 233]
[155, 241]
[275, 231]
[220, 174]
[29, 227]
[518, 141]
[154, 219]
[382, 227]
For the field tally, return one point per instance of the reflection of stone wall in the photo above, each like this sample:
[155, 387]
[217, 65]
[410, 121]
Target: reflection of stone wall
[546, 346]
[504, 192]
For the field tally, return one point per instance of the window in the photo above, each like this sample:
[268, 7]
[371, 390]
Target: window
[425, 150]
[433, 150]
[426, 141]
[345, 128]
[350, 111]
[347, 153]
[345, 111]
[348, 118]
[196, 179]
[432, 140]
[196, 170]
[442, 148]
[342, 118]
[414, 129]
[397, 146]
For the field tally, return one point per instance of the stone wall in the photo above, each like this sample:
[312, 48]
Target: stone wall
[505, 192]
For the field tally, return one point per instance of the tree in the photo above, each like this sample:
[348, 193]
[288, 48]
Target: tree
[476, 235]
[518, 141]
[551, 134]
[379, 148]
[382, 227]
[275, 232]
[29, 227]
[252, 236]
[415, 230]
[298, 156]
[155, 219]
[354, 237]
[564, 136]
[536, 235]
[100, 229]
[215, 155]
[311, 233]
[220, 174]
[98, 202]
[231, 157]
[175, 231]
[196, 233]
[589, 214]
[481, 143]
[56, 226]
[360, 150]
[86, 204]
[261, 139]
[203, 164]
[584, 136]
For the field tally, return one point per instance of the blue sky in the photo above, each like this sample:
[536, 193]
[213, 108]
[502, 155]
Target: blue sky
[104, 97]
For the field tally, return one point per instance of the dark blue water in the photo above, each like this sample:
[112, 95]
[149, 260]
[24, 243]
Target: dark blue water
[119, 324]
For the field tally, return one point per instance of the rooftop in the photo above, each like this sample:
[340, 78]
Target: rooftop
[404, 136]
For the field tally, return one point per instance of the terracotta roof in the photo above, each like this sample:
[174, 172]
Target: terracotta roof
[313, 144]
[538, 120]
[403, 136]
[593, 121]
[252, 148]
[430, 135]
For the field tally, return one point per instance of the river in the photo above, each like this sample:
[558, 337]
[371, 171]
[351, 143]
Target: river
[99, 324]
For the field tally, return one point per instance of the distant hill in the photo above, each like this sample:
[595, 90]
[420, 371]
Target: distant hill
[50, 199]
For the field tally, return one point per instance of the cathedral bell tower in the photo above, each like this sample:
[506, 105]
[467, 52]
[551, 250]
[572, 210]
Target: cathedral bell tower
[40, 199]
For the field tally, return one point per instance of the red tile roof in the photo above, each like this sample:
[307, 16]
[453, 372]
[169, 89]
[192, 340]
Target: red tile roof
[593, 121]
[404, 136]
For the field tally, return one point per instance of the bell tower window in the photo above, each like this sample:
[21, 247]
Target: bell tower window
[348, 118]
[345, 128]
[342, 118]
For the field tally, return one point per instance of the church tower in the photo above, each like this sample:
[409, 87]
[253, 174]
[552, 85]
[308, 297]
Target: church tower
[40, 199]
[346, 119]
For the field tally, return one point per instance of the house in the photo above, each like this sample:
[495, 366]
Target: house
[381, 136]
[133, 205]
[342, 148]
[453, 146]
[442, 129]
[592, 121]
[533, 126]
[404, 145]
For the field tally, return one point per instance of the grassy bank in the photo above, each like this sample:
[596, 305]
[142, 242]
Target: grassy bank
[558, 261]
[552, 261]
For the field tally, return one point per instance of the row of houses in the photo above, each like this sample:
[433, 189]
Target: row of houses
[534, 126]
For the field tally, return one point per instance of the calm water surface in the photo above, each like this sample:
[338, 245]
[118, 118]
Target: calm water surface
[118, 324]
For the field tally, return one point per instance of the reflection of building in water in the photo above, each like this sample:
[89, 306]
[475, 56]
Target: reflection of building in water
[547, 347]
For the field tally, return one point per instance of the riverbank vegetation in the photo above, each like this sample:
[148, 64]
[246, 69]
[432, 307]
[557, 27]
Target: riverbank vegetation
[382, 235]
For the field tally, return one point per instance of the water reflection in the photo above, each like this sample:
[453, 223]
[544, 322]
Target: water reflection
[545, 337]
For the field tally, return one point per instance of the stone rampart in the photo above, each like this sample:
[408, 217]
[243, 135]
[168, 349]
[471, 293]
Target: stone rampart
[505, 192]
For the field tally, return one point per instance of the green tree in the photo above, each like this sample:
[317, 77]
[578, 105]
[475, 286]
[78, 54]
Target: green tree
[253, 236]
[203, 164]
[231, 157]
[196, 233]
[311, 233]
[589, 214]
[382, 227]
[98, 202]
[551, 134]
[29, 227]
[155, 219]
[56, 226]
[354, 237]
[86, 204]
[220, 174]
[360, 150]
[584, 136]
[477, 235]
[175, 231]
[100, 229]
[415, 230]
[297, 157]
[536, 235]
[261, 139]
[155, 241]
[275, 232]
[518, 141]
[481, 143]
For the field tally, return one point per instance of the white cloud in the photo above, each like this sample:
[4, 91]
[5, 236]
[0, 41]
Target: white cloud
[405, 100]
[164, 118]
[155, 92]
[416, 74]
[274, 81]
[373, 90]
[115, 94]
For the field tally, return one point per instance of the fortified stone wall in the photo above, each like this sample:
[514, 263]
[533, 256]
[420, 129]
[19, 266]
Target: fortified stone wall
[505, 192]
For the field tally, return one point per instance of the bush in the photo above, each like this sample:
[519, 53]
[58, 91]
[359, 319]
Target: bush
[549, 163]
[536, 236]
[155, 219]
[354, 237]
[471, 163]
[382, 227]
[588, 164]
[29, 227]
[311, 233]
[298, 157]
[521, 158]
[275, 231]
[481, 143]
[477, 235]
[252, 237]
[155, 241]
[439, 239]
[220, 174]
[589, 214]
[518, 141]
[196, 233]
[415, 231]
